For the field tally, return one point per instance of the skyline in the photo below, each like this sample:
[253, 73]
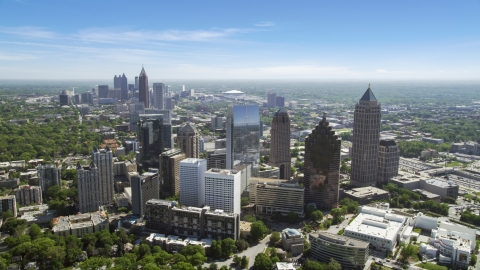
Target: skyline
[431, 40]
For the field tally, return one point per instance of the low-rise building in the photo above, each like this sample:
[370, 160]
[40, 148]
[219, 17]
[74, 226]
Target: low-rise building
[80, 224]
[38, 214]
[364, 195]
[293, 241]
[351, 253]
[9, 183]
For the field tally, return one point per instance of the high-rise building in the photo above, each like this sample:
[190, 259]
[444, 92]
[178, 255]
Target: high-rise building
[223, 190]
[124, 87]
[158, 96]
[280, 101]
[89, 194]
[48, 176]
[217, 122]
[87, 97]
[322, 166]
[64, 98]
[388, 161]
[103, 160]
[155, 136]
[144, 187]
[280, 143]
[103, 91]
[188, 141]
[192, 182]
[136, 83]
[143, 91]
[116, 82]
[243, 136]
[170, 172]
[366, 138]
[8, 203]
[28, 195]
[271, 100]
[217, 159]
[169, 103]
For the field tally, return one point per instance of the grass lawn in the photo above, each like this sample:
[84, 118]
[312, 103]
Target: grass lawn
[432, 266]
[454, 164]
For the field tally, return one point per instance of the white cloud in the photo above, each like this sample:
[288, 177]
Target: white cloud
[380, 71]
[264, 24]
[16, 57]
[29, 32]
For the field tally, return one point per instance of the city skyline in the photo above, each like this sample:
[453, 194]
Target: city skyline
[248, 40]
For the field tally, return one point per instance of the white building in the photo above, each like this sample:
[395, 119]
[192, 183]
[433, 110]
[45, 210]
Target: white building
[223, 190]
[88, 192]
[103, 159]
[192, 182]
[455, 243]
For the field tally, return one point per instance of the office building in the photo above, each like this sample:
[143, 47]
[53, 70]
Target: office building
[64, 98]
[243, 136]
[154, 136]
[116, 81]
[89, 196]
[433, 185]
[217, 122]
[293, 105]
[76, 99]
[188, 141]
[351, 253]
[388, 161]
[280, 101]
[271, 100]
[322, 166]
[366, 137]
[192, 182]
[8, 203]
[169, 103]
[217, 159]
[103, 91]
[80, 224]
[136, 82]
[272, 196]
[365, 195]
[28, 195]
[124, 87]
[158, 95]
[170, 172]
[48, 176]
[280, 143]
[87, 98]
[144, 188]
[103, 160]
[143, 90]
[454, 243]
[223, 190]
[293, 241]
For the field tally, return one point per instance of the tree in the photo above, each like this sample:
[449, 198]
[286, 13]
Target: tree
[258, 230]
[228, 247]
[183, 266]
[274, 238]
[310, 209]
[245, 201]
[34, 231]
[7, 214]
[293, 217]
[241, 244]
[249, 218]
[312, 265]
[408, 251]
[95, 263]
[213, 266]
[143, 250]
[473, 260]
[216, 249]
[262, 262]
[334, 265]
[244, 262]
[150, 266]
[316, 215]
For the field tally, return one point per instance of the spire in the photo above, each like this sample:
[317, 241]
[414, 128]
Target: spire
[143, 73]
[324, 119]
[368, 96]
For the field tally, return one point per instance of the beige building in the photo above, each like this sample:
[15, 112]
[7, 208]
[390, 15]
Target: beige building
[170, 172]
[189, 141]
[388, 161]
[280, 143]
[292, 240]
[28, 195]
[272, 196]
[89, 198]
[80, 224]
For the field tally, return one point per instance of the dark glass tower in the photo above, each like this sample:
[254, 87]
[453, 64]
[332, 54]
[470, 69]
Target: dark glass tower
[322, 166]
[143, 95]
[124, 87]
[280, 143]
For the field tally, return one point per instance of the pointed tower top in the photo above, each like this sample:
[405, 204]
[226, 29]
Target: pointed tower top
[324, 118]
[368, 96]
[79, 167]
[143, 73]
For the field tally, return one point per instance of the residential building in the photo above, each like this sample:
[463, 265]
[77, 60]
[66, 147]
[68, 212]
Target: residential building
[144, 188]
[223, 190]
[293, 241]
[280, 101]
[192, 182]
[188, 141]
[351, 253]
[89, 197]
[217, 159]
[220, 224]
[280, 143]
[8, 203]
[243, 136]
[28, 195]
[9, 183]
[388, 161]
[143, 90]
[48, 176]
[158, 95]
[157, 215]
[322, 166]
[366, 137]
[170, 172]
[272, 196]
[271, 100]
[80, 224]
[103, 159]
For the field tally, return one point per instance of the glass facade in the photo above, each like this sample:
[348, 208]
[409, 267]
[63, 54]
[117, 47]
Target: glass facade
[243, 136]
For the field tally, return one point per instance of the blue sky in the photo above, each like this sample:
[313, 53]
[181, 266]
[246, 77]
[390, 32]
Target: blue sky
[86, 39]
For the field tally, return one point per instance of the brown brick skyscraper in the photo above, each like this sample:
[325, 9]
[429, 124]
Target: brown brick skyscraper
[322, 166]
[280, 143]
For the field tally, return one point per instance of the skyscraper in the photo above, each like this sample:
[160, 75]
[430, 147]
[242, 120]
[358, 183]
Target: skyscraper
[192, 182]
[103, 91]
[143, 91]
[280, 143]
[136, 83]
[243, 136]
[170, 172]
[223, 190]
[48, 176]
[271, 100]
[144, 187]
[158, 95]
[124, 87]
[366, 137]
[89, 195]
[322, 166]
[103, 160]
[388, 161]
[116, 82]
[188, 141]
[64, 98]
[155, 137]
[280, 101]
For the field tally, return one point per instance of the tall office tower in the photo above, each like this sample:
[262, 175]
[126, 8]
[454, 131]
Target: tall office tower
[64, 98]
[189, 141]
[103, 160]
[28, 195]
[87, 97]
[143, 91]
[271, 99]
[322, 166]
[388, 161]
[103, 91]
[136, 82]
[169, 103]
[8, 203]
[144, 187]
[217, 122]
[223, 190]
[366, 136]
[158, 94]
[48, 176]
[170, 172]
[89, 194]
[116, 82]
[217, 159]
[243, 136]
[155, 137]
[131, 87]
[280, 101]
[124, 87]
[280, 143]
[192, 182]
[168, 90]
[76, 99]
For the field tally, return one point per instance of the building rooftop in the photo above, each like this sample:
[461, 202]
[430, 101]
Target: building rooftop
[222, 171]
[365, 191]
[342, 240]
[285, 266]
[234, 92]
[161, 202]
[289, 233]
[368, 95]
[440, 183]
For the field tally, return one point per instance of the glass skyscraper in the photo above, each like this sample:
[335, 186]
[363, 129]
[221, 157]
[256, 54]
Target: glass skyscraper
[243, 136]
